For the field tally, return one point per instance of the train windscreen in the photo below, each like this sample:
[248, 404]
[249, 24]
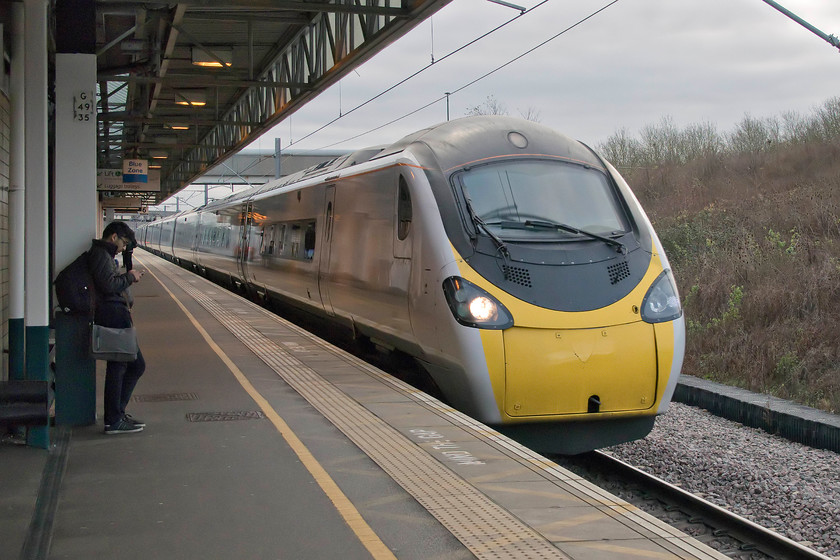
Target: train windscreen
[541, 200]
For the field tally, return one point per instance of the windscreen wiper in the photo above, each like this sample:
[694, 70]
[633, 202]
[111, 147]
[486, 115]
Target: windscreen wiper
[483, 225]
[541, 224]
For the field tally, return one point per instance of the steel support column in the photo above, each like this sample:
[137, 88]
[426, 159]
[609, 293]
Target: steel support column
[17, 345]
[75, 225]
[37, 272]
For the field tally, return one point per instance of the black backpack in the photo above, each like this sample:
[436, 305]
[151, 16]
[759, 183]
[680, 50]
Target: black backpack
[74, 288]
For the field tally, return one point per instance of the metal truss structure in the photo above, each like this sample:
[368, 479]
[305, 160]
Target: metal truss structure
[186, 85]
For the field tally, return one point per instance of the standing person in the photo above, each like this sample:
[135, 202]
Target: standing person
[112, 310]
[126, 255]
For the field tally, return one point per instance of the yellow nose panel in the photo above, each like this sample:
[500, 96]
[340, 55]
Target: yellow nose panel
[555, 372]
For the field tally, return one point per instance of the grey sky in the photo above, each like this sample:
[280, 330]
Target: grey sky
[630, 65]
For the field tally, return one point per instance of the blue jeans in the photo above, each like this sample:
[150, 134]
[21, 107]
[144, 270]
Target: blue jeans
[120, 379]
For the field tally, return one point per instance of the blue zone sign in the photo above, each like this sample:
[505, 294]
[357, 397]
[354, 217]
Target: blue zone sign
[135, 171]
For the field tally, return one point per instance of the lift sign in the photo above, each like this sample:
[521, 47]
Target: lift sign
[135, 171]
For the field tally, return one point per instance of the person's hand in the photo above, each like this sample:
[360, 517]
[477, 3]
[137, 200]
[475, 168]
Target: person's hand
[137, 274]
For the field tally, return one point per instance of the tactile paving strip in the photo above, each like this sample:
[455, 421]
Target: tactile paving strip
[487, 530]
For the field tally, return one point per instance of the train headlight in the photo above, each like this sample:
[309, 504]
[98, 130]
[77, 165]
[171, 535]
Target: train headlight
[473, 307]
[662, 303]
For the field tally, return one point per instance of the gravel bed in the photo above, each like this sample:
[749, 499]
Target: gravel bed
[785, 486]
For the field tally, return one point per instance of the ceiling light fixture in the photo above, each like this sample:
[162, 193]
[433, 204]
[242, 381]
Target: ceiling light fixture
[215, 57]
[190, 97]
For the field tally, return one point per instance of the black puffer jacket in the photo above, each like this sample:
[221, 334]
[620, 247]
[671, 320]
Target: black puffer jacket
[111, 303]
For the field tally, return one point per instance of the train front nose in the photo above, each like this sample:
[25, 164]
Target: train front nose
[557, 372]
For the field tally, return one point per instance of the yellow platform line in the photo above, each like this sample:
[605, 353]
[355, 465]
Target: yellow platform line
[369, 539]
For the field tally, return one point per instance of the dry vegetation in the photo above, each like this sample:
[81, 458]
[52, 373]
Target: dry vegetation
[751, 224]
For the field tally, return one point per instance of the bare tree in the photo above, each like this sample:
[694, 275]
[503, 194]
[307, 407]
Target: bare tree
[755, 135]
[829, 117]
[622, 150]
[531, 114]
[490, 106]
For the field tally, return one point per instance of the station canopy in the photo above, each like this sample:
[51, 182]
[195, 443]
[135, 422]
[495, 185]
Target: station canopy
[186, 85]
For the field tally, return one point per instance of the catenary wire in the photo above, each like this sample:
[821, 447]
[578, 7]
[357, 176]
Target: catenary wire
[461, 88]
[404, 80]
[421, 70]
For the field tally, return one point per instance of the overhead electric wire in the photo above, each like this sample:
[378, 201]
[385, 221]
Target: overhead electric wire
[532, 49]
[421, 70]
[463, 87]
[462, 47]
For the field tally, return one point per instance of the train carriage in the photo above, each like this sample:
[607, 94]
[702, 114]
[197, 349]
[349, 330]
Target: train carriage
[513, 264]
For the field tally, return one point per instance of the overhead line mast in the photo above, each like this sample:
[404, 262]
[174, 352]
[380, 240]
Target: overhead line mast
[835, 42]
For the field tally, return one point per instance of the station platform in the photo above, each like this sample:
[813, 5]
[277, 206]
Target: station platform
[265, 442]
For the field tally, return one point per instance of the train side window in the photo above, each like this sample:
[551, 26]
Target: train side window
[280, 238]
[267, 242]
[309, 241]
[294, 245]
[292, 240]
[404, 213]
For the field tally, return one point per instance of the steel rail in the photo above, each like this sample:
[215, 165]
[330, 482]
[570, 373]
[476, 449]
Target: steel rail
[769, 542]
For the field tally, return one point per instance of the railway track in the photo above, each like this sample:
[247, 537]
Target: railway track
[730, 533]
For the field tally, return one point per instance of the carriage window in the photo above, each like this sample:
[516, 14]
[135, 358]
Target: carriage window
[279, 239]
[404, 214]
[267, 244]
[215, 237]
[272, 240]
[292, 240]
[309, 241]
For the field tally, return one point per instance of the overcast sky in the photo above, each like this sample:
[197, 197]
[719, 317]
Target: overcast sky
[630, 65]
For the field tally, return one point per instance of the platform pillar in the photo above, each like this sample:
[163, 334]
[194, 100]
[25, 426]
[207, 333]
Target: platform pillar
[17, 346]
[75, 372]
[36, 205]
[75, 199]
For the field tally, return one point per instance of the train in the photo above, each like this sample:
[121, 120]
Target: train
[511, 264]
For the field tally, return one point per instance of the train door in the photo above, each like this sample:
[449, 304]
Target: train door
[402, 231]
[399, 281]
[243, 246]
[326, 249]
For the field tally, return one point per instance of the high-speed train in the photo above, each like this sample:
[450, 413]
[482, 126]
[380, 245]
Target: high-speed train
[512, 263]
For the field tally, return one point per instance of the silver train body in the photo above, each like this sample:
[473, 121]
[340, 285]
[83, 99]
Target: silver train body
[511, 262]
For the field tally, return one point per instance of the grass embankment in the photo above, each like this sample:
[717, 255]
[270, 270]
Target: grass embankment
[753, 237]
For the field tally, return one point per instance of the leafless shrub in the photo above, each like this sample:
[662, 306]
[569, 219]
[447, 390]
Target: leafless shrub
[829, 118]
[660, 142]
[753, 135]
[663, 143]
[755, 249]
[622, 150]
